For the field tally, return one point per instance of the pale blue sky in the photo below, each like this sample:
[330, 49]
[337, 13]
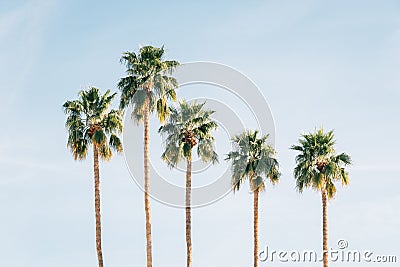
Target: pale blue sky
[329, 63]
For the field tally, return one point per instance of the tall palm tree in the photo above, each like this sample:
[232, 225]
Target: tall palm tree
[254, 160]
[147, 87]
[319, 167]
[187, 127]
[89, 122]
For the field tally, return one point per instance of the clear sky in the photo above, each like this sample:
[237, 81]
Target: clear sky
[319, 63]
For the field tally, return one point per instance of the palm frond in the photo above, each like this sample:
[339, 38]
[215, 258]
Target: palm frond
[105, 151]
[115, 143]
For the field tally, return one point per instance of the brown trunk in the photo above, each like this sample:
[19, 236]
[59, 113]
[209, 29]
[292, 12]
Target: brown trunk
[97, 205]
[255, 194]
[147, 185]
[188, 213]
[325, 228]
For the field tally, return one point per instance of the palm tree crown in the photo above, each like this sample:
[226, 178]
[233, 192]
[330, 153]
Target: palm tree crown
[148, 82]
[188, 126]
[253, 159]
[90, 122]
[318, 165]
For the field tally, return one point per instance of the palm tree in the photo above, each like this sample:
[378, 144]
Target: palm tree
[187, 127]
[147, 87]
[319, 167]
[90, 123]
[254, 160]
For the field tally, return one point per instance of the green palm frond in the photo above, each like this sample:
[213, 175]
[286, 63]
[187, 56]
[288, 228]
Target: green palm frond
[254, 160]
[317, 165]
[105, 151]
[89, 122]
[128, 86]
[205, 150]
[99, 137]
[115, 143]
[77, 144]
[112, 122]
[173, 153]
[257, 183]
[162, 109]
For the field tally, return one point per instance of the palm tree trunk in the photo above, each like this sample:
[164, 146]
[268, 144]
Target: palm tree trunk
[255, 194]
[188, 213]
[97, 205]
[147, 185]
[325, 228]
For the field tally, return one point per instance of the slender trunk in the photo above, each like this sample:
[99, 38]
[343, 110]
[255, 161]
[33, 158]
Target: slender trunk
[188, 213]
[97, 205]
[147, 185]
[255, 194]
[325, 228]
